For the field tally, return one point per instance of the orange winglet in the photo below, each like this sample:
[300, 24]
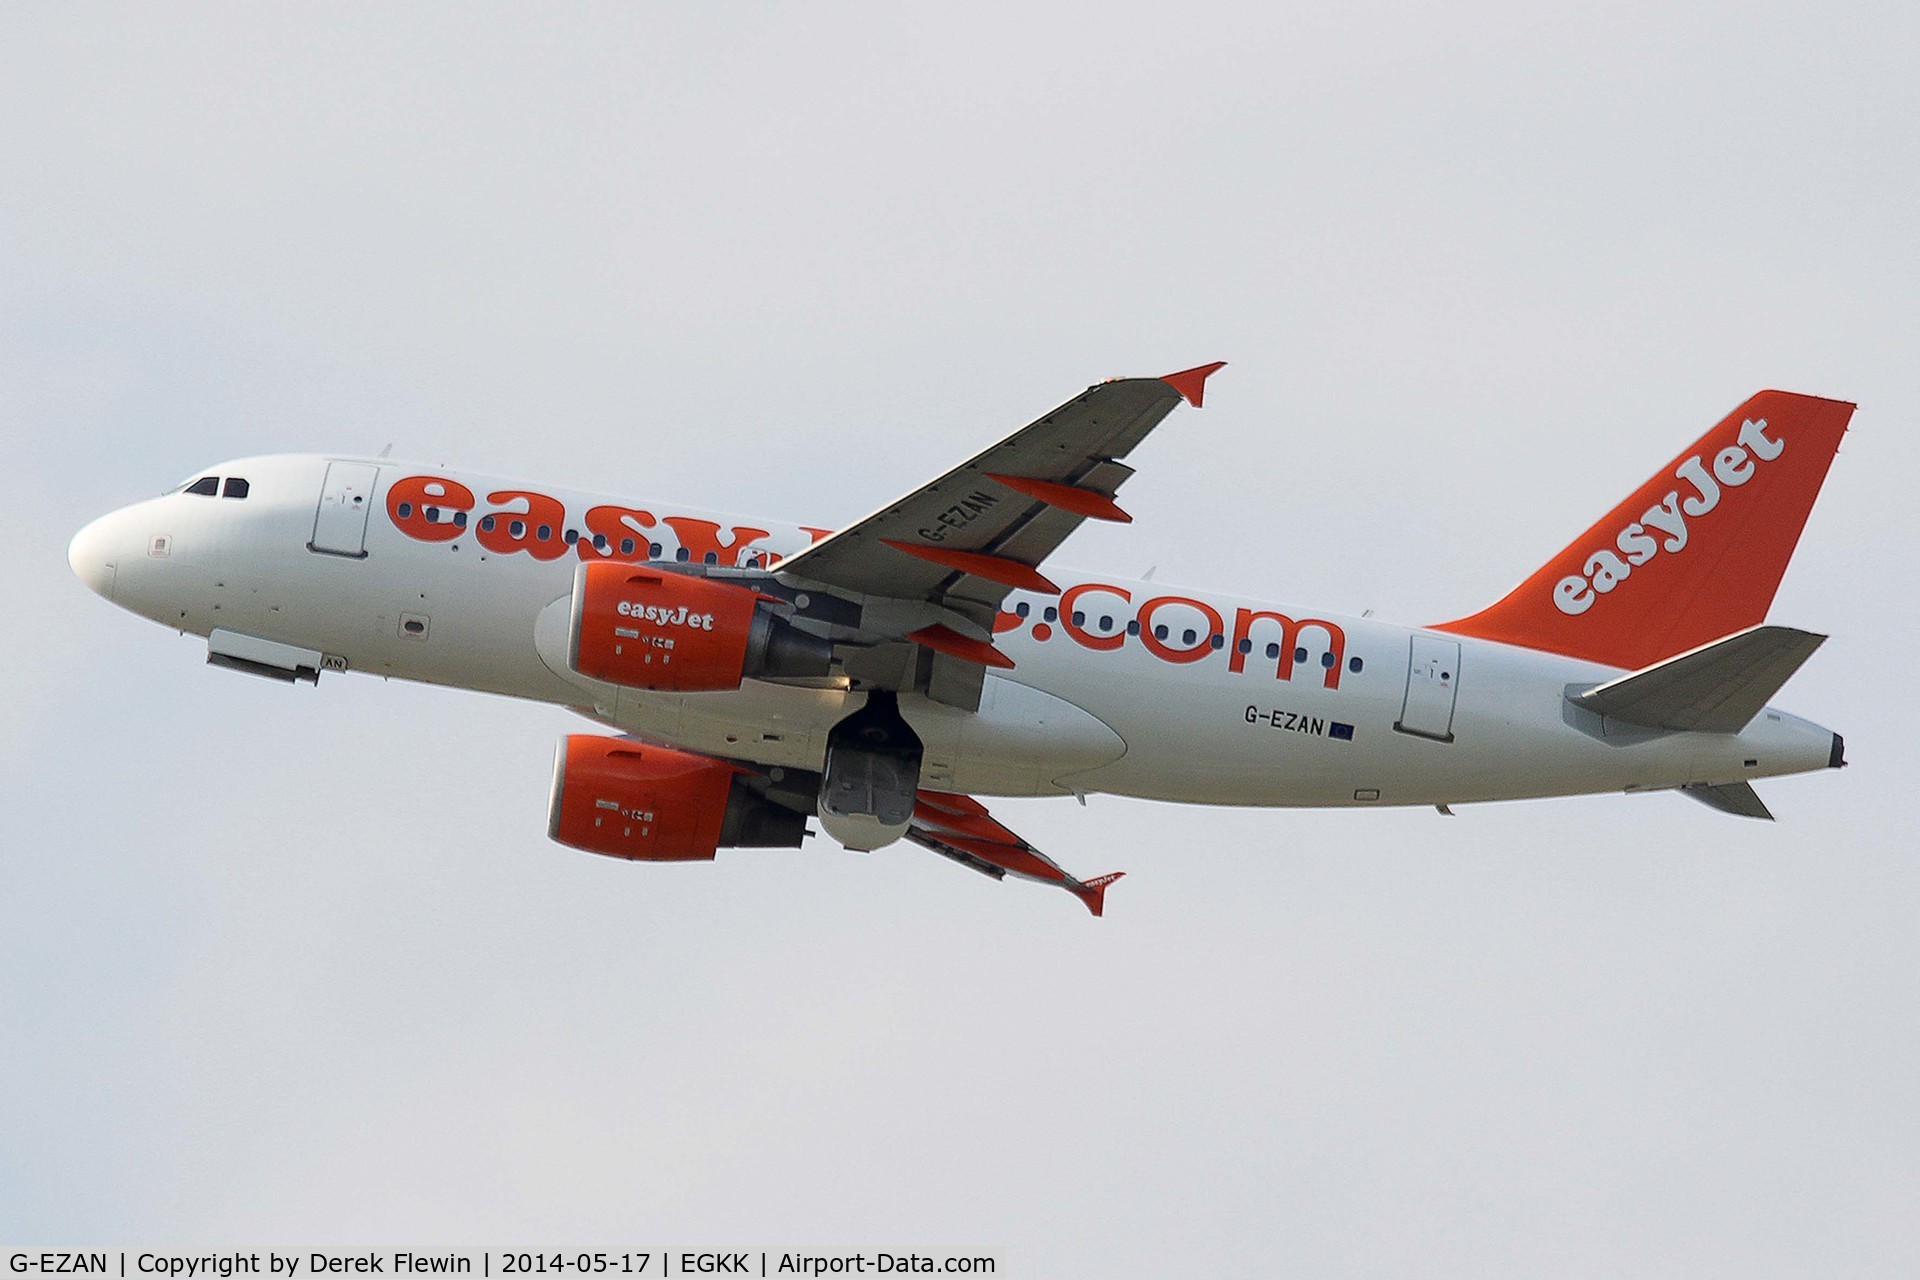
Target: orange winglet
[1067, 497]
[1192, 383]
[1094, 892]
[1010, 573]
[944, 639]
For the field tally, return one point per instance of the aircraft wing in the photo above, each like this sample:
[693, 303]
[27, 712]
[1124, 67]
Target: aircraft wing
[959, 827]
[952, 825]
[964, 540]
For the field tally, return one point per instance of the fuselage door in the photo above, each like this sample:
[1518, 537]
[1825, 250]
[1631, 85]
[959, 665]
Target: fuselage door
[1433, 676]
[340, 525]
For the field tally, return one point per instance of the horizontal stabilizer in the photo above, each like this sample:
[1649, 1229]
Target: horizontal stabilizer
[1717, 688]
[1737, 798]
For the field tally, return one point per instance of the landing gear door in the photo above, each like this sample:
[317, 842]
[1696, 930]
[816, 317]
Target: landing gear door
[1433, 676]
[340, 525]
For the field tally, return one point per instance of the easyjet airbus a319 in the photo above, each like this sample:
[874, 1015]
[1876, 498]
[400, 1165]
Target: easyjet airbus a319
[755, 676]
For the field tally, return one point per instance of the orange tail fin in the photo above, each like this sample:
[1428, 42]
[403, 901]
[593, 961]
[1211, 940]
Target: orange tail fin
[1695, 554]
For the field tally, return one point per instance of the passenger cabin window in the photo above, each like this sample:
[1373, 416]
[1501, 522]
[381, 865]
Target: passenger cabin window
[205, 486]
[236, 488]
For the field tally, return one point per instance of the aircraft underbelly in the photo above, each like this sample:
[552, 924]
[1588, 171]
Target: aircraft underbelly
[1022, 741]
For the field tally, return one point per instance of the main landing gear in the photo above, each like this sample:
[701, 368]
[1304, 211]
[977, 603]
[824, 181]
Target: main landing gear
[872, 775]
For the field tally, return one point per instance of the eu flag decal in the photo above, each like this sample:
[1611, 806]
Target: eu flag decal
[1344, 732]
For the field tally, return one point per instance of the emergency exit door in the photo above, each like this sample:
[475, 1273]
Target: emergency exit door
[340, 525]
[1433, 676]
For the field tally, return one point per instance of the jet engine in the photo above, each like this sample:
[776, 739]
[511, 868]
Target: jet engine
[651, 629]
[629, 799]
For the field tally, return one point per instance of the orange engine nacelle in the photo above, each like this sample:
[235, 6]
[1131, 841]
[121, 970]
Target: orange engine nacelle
[628, 799]
[648, 628]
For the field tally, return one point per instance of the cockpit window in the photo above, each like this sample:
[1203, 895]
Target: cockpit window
[205, 486]
[236, 487]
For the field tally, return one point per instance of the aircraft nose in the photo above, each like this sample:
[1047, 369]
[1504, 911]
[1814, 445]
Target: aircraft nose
[92, 556]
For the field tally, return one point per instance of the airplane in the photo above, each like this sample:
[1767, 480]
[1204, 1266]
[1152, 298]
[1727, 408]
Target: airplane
[753, 676]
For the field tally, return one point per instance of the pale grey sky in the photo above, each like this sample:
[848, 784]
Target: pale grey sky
[301, 965]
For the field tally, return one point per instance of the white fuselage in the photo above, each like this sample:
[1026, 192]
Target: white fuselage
[1312, 710]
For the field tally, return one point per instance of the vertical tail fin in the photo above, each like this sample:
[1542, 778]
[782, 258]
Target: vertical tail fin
[1695, 554]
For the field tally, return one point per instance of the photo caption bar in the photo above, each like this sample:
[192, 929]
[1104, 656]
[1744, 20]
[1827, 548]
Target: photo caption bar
[300, 1264]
